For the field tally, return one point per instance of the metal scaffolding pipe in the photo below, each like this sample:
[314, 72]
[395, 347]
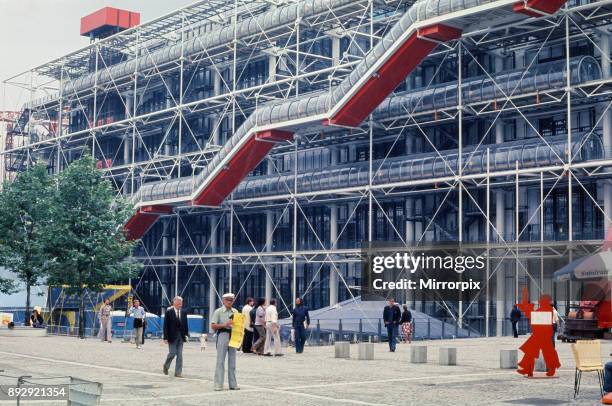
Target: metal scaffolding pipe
[303, 110]
[529, 153]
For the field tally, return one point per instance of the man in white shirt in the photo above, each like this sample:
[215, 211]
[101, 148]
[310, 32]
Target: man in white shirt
[272, 330]
[247, 342]
[555, 320]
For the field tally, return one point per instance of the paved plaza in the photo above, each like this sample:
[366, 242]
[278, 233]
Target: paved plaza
[133, 376]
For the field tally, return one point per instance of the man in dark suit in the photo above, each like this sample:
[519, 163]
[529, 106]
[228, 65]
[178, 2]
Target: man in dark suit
[176, 333]
[515, 317]
[392, 316]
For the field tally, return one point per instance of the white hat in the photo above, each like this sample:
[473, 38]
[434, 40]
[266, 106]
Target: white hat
[228, 296]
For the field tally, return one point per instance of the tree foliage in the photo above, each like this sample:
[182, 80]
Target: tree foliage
[66, 230]
[24, 211]
[7, 286]
[85, 235]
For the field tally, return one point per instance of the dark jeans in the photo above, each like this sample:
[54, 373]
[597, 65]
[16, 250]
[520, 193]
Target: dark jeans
[392, 330]
[515, 329]
[608, 377]
[300, 338]
[247, 342]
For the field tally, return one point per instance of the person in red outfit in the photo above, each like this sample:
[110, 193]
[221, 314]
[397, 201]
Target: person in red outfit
[541, 337]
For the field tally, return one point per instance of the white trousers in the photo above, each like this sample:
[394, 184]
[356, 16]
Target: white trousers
[272, 333]
[105, 333]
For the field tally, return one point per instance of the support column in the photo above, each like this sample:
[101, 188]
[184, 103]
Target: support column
[212, 270]
[519, 63]
[169, 101]
[521, 128]
[127, 141]
[269, 240]
[165, 237]
[333, 273]
[333, 270]
[127, 149]
[519, 59]
[272, 68]
[418, 78]
[499, 225]
[410, 236]
[172, 135]
[410, 143]
[335, 50]
[333, 236]
[533, 202]
[500, 274]
[604, 44]
[352, 152]
[418, 225]
[215, 137]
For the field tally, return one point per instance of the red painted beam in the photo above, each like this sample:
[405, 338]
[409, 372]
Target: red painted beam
[159, 209]
[143, 219]
[392, 73]
[240, 165]
[440, 32]
[534, 8]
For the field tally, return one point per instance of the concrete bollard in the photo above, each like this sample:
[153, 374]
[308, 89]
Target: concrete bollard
[342, 349]
[366, 351]
[418, 354]
[540, 365]
[448, 356]
[508, 359]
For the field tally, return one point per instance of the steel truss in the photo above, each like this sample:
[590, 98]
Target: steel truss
[136, 143]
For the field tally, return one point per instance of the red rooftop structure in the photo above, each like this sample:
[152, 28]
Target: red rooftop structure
[108, 21]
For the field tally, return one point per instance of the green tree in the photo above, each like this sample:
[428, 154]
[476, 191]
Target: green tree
[88, 245]
[7, 286]
[24, 210]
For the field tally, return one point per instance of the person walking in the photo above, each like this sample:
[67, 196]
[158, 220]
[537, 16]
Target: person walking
[406, 323]
[139, 314]
[272, 330]
[247, 342]
[515, 317]
[301, 321]
[392, 316]
[105, 318]
[221, 323]
[176, 332]
[260, 327]
[252, 317]
[607, 382]
[555, 319]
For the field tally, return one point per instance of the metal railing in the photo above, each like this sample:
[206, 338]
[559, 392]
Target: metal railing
[354, 330]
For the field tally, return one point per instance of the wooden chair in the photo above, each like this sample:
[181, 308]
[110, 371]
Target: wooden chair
[587, 355]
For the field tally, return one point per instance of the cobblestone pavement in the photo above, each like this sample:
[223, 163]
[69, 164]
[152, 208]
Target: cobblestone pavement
[313, 378]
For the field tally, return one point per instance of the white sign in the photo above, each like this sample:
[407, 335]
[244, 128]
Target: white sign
[541, 318]
[5, 319]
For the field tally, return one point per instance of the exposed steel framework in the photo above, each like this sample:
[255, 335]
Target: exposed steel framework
[157, 103]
